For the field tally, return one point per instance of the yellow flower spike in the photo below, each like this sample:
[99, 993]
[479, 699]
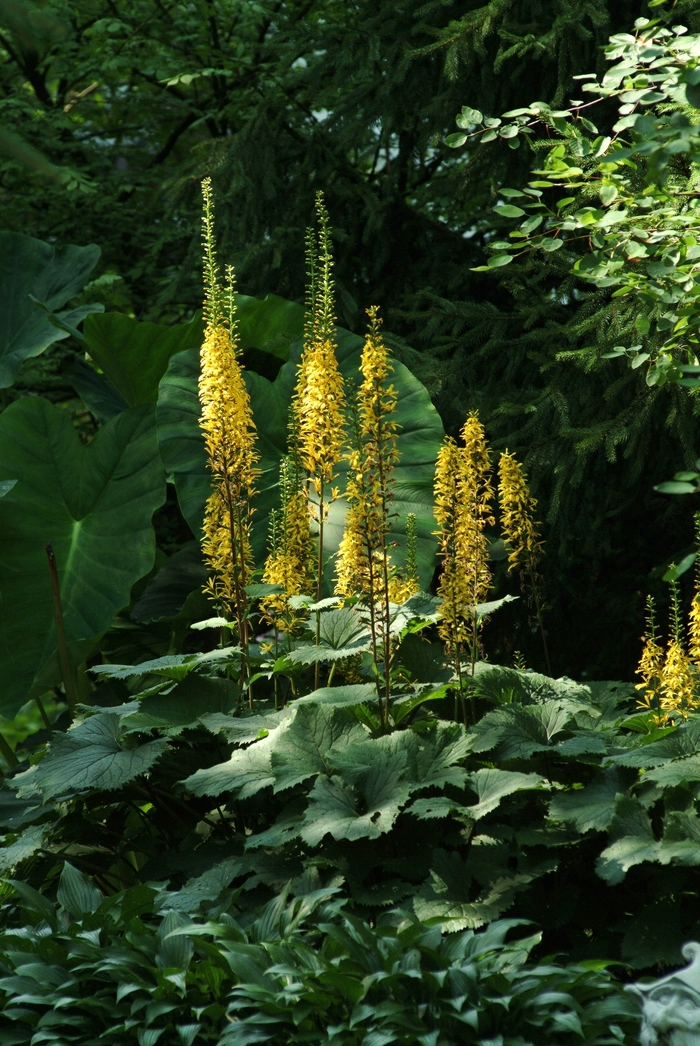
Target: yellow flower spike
[290, 562]
[362, 565]
[518, 510]
[229, 436]
[677, 689]
[463, 496]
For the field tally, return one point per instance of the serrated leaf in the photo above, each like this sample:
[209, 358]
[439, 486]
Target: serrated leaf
[367, 810]
[76, 893]
[183, 706]
[89, 755]
[12, 854]
[302, 748]
[493, 785]
[634, 841]
[247, 772]
[351, 694]
[432, 759]
[171, 666]
[591, 808]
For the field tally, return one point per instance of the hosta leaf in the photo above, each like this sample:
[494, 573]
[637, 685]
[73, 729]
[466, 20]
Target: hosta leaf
[94, 503]
[76, 893]
[89, 755]
[30, 269]
[174, 950]
[420, 435]
[301, 748]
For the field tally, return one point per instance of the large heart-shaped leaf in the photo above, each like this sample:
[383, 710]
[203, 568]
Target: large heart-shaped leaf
[134, 356]
[31, 269]
[183, 452]
[94, 503]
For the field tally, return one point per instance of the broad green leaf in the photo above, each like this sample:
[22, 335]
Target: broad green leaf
[634, 841]
[12, 854]
[76, 893]
[351, 694]
[425, 661]
[519, 732]
[433, 759]
[134, 356]
[94, 503]
[166, 593]
[243, 729]
[32, 267]
[269, 324]
[174, 950]
[183, 706]
[248, 771]
[301, 749]
[171, 666]
[342, 633]
[509, 210]
[36, 902]
[90, 755]
[685, 741]
[493, 785]
[182, 447]
[336, 809]
[100, 398]
[671, 774]
[591, 808]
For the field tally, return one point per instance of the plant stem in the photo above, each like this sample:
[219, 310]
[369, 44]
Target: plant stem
[538, 612]
[44, 716]
[319, 580]
[64, 661]
[7, 753]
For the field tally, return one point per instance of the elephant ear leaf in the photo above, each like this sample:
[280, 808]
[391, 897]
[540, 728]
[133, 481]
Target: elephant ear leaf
[94, 503]
[35, 274]
[134, 356]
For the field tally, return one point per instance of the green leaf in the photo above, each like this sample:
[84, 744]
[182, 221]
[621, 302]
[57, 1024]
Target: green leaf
[182, 706]
[508, 210]
[493, 785]
[676, 570]
[171, 666]
[183, 451]
[134, 356]
[76, 893]
[94, 503]
[167, 592]
[634, 842]
[248, 771]
[174, 950]
[32, 267]
[672, 487]
[342, 634]
[351, 694]
[455, 140]
[497, 261]
[270, 324]
[591, 808]
[100, 398]
[12, 854]
[343, 812]
[89, 755]
[36, 902]
[425, 661]
[301, 749]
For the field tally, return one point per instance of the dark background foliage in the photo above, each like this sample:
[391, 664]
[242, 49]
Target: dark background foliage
[278, 100]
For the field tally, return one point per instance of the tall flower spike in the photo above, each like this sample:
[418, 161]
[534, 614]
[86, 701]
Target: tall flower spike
[290, 562]
[463, 496]
[650, 669]
[405, 582]
[229, 435]
[518, 508]
[362, 565]
[694, 615]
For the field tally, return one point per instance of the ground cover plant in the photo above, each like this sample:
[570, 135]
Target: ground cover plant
[272, 773]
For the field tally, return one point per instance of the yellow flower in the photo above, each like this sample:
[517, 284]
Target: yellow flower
[518, 510]
[319, 402]
[678, 683]
[290, 562]
[229, 435]
[362, 565]
[463, 496]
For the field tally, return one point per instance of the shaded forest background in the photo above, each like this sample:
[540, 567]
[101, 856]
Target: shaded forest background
[277, 100]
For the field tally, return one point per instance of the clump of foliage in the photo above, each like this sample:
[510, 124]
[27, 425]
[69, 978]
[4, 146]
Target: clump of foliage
[148, 966]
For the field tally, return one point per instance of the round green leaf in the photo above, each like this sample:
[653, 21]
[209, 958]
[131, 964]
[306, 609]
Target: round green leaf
[94, 503]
